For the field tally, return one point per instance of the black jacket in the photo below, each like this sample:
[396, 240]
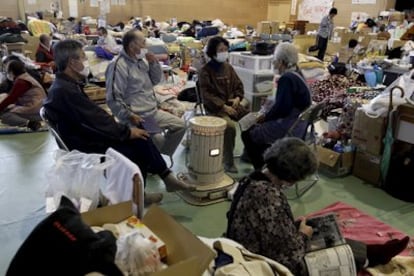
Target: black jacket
[81, 123]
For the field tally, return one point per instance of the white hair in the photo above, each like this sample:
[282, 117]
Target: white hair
[286, 53]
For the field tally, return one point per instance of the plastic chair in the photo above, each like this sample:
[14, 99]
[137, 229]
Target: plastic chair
[310, 116]
[53, 129]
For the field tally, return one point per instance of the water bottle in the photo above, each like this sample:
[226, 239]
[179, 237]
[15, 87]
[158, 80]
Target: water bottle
[349, 147]
[338, 147]
[370, 78]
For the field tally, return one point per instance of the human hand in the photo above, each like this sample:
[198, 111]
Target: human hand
[151, 57]
[229, 110]
[138, 133]
[260, 119]
[305, 229]
[235, 102]
[135, 119]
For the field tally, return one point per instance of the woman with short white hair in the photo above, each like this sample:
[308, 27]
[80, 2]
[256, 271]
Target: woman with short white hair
[293, 96]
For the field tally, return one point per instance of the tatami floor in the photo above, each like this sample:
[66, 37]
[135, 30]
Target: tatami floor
[25, 159]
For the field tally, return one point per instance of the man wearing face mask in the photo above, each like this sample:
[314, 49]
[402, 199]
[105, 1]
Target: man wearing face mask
[44, 52]
[222, 92]
[86, 127]
[107, 41]
[130, 80]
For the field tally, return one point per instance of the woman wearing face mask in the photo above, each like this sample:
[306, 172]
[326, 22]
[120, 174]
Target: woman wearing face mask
[292, 98]
[22, 104]
[222, 92]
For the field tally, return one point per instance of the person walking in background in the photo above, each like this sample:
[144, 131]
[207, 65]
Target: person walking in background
[325, 32]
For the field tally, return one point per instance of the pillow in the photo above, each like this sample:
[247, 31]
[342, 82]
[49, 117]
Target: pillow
[62, 244]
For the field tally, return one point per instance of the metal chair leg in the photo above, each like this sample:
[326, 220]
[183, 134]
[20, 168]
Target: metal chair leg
[300, 191]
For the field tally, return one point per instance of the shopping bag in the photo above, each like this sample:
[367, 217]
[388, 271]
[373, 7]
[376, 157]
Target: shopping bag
[78, 176]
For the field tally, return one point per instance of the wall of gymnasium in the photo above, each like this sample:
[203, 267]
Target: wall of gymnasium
[232, 12]
[280, 10]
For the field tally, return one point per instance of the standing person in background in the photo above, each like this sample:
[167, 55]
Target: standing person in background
[325, 32]
[222, 92]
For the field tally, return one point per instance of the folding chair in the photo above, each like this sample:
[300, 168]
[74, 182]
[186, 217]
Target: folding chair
[310, 116]
[53, 128]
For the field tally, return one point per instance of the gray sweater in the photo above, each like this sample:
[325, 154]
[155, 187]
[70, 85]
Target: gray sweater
[129, 86]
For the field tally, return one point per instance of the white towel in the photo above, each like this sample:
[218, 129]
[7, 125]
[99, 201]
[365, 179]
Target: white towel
[119, 185]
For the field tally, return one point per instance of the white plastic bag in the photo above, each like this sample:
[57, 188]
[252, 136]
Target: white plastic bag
[78, 176]
[378, 107]
[136, 255]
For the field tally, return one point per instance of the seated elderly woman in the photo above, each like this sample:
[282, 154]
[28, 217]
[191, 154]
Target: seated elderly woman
[261, 219]
[292, 98]
[222, 92]
[22, 104]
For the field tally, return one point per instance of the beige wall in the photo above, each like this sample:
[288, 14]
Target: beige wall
[345, 8]
[236, 12]
[9, 8]
[278, 11]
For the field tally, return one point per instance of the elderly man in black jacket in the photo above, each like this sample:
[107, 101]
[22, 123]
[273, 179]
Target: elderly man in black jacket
[86, 127]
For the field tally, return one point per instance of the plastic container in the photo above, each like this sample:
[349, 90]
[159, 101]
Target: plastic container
[379, 74]
[338, 147]
[370, 78]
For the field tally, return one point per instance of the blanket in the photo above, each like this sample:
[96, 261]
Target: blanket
[357, 225]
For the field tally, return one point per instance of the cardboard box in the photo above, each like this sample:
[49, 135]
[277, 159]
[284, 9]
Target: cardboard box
[367, 167]
[368, 133]
[267, 27]
[334, 163]
[187, 255]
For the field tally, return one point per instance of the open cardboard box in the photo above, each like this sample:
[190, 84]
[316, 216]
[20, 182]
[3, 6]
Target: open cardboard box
[334, 163]
[187, 255]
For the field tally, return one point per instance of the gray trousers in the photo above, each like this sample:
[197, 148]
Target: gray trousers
[173, 132]
[18, 119]
[229, 139]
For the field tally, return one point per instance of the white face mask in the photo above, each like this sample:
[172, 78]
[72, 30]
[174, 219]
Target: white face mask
[10, 77]
[222, 56]
[143, 53]
[86, 70]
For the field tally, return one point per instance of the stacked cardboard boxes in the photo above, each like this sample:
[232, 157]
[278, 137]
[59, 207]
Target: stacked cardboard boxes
[367, 135]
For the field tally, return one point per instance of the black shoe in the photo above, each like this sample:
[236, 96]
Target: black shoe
[245, 158]
[34, 125]
[230, 168]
